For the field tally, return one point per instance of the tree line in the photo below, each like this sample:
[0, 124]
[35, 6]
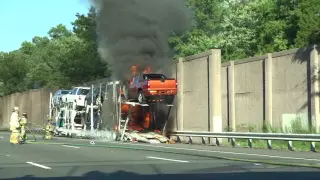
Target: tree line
[240, 28]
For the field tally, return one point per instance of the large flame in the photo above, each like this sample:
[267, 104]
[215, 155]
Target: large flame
[134, 71]
[140, 119]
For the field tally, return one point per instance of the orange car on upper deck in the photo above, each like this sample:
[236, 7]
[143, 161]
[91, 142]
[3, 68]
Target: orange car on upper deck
[148, 88]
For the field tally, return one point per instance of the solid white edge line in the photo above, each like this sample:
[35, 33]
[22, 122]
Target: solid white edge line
[38, 165]
[223, 152]
[71, 146]
[165, 159]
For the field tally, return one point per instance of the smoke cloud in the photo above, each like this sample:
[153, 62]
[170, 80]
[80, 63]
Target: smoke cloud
[136, 32]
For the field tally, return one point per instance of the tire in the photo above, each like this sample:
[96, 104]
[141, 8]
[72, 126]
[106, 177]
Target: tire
[141, 98]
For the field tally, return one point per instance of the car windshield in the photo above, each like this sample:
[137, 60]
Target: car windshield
[74, 91]
[83, 91]
[65, 92]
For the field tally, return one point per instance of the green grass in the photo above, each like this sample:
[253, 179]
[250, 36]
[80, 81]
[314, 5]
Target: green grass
[297, 127]
[276, 144]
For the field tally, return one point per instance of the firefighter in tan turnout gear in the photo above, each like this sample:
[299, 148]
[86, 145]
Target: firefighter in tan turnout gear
[48, 130]
[23, 126]
[14, 126]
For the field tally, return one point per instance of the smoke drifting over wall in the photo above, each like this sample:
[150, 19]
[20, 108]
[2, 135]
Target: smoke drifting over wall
[135, 32]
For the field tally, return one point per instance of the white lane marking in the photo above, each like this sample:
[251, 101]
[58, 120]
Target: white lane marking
[7, 155]
[223, 152]
[165, 159]
[71, 146]
[38, 165]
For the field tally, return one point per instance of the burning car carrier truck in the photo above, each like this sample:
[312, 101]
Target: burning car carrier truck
[130, 109]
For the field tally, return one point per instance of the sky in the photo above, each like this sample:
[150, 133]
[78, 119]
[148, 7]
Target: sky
[21, 20]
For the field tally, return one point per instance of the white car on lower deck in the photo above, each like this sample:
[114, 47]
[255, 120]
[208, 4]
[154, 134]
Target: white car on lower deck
[78, 95]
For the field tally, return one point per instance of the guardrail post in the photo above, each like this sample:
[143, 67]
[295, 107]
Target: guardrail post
[218, 141]
[290, 147]
[233, 142]
[190, 140]
[250, 143]
[313, 146]
[269, 146]
[178, 139]
[203, 140]
[289, 138]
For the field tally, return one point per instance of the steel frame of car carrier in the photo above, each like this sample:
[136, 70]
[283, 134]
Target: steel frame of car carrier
[68, 113]
[90, 108]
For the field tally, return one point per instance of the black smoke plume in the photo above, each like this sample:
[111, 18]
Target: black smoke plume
[136, 32]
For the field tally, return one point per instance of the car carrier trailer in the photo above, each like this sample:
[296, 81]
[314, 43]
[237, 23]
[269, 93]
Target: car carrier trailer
[72, 122]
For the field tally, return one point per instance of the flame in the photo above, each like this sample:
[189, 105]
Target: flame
[147, 120]
[134, 73]
[147, 70]
[134, 70]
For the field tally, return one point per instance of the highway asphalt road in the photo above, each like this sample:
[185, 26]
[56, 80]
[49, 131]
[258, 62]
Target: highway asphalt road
[77, 159]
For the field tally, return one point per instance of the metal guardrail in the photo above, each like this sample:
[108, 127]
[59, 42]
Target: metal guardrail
[312, 138]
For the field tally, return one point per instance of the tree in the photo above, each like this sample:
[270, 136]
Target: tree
[229, 25]
[13, 72]
[85, 28]
[244, 28]
[40, 41]
[308, 14]
[206, 18]
[59, 31]
[237, 33]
